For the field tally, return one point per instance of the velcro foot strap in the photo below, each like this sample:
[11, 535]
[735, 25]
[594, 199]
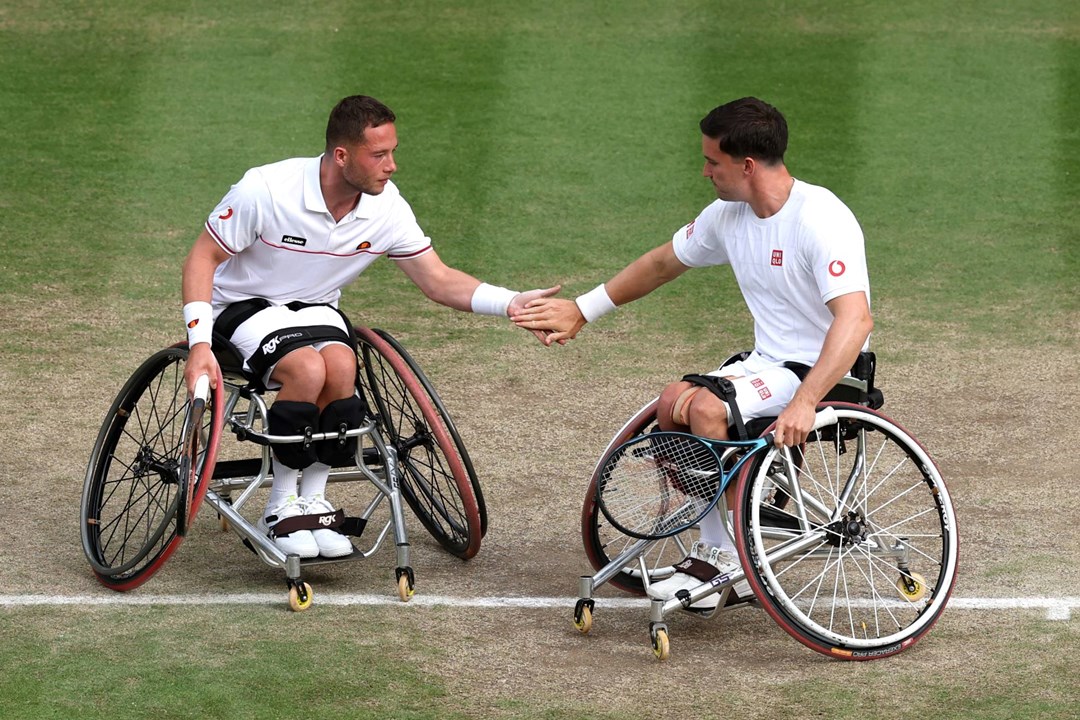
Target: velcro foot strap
[698, 569]
[324, 521]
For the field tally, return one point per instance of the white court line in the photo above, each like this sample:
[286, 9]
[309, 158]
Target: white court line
[1056, 608]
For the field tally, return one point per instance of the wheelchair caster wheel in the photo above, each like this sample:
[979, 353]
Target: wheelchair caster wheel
[661, 647]
[300, 597]
[912, 586]
[405, 587]
[583, 616]
[584, 621]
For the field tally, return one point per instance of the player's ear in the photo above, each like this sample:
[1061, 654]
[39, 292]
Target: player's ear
[340, 155]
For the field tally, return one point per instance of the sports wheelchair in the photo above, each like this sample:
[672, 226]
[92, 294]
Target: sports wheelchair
[849, 541]
[159, 454]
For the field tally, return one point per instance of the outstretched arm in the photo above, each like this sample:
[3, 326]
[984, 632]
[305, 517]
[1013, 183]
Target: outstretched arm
[850, 327]
[461, 291]
[563, 319]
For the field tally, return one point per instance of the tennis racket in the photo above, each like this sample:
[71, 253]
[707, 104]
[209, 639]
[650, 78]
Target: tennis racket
[659, 484]
[193, 427]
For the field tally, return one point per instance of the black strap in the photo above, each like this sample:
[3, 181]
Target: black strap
[723, 389]
[237, 313]
[281, 342]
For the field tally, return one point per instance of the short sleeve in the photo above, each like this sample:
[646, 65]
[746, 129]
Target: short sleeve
[235, 222]
[409, 240]
[699, 243]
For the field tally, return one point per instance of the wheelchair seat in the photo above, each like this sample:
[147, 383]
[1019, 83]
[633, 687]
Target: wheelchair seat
[856, 388]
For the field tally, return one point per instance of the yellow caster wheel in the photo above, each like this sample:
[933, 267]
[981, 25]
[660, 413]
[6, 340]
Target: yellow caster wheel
[224, 522]
[583, 621]
[300, 597]
[917, 591]
[660, 646]
[405, 589]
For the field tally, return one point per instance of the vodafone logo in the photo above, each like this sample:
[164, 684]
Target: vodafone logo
[837, 268]
[228, 214]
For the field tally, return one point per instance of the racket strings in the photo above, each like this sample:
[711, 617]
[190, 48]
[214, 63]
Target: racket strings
[659, 484]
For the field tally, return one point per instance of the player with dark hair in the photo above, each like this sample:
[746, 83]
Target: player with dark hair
[798, 255]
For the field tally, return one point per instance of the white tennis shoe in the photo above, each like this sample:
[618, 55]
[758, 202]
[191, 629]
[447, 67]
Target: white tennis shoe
[298, 542]
[705, 563]
[331, 543]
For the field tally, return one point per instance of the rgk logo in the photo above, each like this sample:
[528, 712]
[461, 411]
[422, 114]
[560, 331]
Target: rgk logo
[326, 520]
[777, 258]
[271, 346]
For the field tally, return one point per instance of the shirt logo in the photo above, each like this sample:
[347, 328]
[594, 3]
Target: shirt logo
[690, 229]
[227, 214]
[836, 268]
[293, 240]
[777, 258]
[363, 246]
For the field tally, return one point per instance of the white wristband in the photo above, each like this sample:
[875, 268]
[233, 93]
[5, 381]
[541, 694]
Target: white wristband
[491, 300]
[595, 304]
[199, 318]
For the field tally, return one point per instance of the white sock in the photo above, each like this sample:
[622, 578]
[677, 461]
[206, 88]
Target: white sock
[714, 530]
[284, 483]
[313, 481]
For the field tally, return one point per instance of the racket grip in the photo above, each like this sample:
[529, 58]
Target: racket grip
[825, 416]
[202, 388]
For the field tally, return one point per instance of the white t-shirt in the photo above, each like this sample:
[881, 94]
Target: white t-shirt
[787, 266]
[285, 245]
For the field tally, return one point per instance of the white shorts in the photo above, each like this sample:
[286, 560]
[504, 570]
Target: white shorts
[253, 331]
[762, 389]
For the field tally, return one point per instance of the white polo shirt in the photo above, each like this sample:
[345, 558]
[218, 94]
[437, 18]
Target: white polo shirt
[787, 266]
[285, 245]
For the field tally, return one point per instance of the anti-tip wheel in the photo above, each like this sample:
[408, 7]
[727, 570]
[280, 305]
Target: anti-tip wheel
[300, 597]
[918, 592]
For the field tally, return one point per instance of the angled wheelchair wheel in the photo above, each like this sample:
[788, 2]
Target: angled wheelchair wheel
[434, 479]
[448, 422]
[861, 561]
[148, 472]
[603, 543]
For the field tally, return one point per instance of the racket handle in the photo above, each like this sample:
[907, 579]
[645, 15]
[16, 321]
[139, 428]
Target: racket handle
[202, 388]
[825, 416]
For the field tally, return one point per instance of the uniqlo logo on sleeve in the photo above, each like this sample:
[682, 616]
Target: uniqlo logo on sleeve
[778, 257]
[690, 229]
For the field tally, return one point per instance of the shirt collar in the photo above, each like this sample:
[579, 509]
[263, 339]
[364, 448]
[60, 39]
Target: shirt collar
[315, 202]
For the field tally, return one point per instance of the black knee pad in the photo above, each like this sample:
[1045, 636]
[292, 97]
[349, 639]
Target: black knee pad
[344, 414]
[287, 417]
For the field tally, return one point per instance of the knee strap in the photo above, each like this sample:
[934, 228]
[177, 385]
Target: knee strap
[682, 404]
[723, 389]
[287, 417]
[339, 416]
